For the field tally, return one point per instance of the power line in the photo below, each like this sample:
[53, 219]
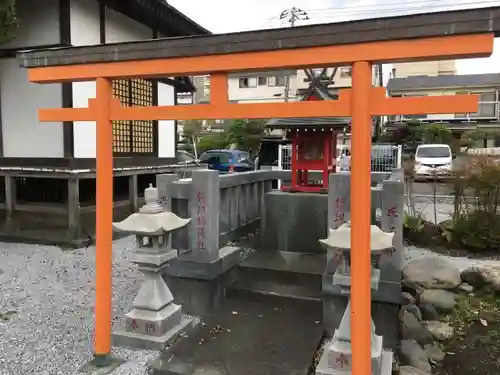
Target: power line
[395, 6]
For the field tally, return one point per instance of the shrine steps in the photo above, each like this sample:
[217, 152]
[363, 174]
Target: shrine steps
[275, 274]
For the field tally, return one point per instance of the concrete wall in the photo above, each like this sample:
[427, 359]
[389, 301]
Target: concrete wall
[23, 135]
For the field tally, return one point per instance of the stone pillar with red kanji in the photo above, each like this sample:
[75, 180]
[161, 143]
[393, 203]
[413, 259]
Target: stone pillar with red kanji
[339, 212]
[204, 230]
[390, 264]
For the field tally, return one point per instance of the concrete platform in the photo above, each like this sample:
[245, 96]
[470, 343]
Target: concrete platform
[249, 338]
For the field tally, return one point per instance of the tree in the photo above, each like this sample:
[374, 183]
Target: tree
[437, 133]
[191, 128]
[246, 134]
[8, 20]
[213, 141]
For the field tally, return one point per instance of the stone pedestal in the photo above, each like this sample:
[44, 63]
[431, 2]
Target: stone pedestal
[337, 355]
[155, 320]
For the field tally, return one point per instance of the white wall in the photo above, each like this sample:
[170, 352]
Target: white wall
[85, 30]
[122, 29]
[166, 129]
[39, 24]
[23, 135]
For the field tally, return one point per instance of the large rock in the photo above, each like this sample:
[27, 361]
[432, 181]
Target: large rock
[442, 300]
[412, 329]
[481, 276]
[428, 311]
[409, 370]
[432, 273]
[412, 354]
[440, 331]
[413, 309]
[434, 352]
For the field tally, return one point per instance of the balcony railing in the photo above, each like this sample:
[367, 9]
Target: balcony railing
[487, 110]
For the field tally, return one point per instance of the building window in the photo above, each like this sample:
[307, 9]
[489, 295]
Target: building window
[134, 137]
[248, 82]
[278, 80]
[346, 72]
[488, 106]
[262, 81]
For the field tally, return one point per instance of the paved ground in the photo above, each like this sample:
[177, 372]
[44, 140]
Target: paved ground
[427, 188]
[244, 337]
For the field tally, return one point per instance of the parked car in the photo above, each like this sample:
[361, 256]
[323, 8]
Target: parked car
[228, 161]
[184, 157]
[433, 161]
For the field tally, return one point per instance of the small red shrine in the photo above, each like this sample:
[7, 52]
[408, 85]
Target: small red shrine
[314, 142]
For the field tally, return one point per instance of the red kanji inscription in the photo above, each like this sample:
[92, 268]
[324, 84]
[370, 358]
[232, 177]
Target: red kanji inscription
[133, 324]
[342, 360]
[391, 212]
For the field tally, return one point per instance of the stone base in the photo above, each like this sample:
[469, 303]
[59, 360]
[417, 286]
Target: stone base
[387, 292]
[149, 342]
[384, 315]
[101, 366]
[187, 266]
[324, 369]
[294, 222]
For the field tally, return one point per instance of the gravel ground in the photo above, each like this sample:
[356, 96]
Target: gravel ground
[47, 295]
[46, 304]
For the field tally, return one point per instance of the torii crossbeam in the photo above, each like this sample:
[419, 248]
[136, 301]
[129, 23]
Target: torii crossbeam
[361, 103]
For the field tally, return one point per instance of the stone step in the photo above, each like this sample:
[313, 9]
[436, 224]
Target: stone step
[280, 274]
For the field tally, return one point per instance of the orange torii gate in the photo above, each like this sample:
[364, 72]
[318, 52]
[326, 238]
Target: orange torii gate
[361, 103]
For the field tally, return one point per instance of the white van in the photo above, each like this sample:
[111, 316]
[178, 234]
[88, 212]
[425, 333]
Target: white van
[433, 161]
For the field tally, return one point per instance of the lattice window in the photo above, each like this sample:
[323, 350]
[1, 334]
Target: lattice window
[133, 137]
[142, 131]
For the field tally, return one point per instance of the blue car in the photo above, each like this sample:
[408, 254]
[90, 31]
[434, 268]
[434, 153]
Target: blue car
[228, 161]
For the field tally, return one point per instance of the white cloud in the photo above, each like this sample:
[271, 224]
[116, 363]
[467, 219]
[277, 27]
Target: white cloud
[222, 16]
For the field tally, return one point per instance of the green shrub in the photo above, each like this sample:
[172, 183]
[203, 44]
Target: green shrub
[476, 219]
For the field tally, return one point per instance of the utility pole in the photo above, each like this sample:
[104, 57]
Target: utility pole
[292, 15]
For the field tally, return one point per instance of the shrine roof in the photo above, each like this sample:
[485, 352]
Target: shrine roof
[309, 122]
[458, 22]
[322, 93]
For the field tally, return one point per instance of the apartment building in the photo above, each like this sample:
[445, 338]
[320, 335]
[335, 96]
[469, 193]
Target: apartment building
[271, 86]
[424, 68]
[487, 86]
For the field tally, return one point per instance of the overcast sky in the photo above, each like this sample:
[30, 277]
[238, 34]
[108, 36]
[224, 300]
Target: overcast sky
[221, 16]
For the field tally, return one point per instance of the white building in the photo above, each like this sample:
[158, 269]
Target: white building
[26, 141]
[49, 168]
[424, 68]
[270, 86]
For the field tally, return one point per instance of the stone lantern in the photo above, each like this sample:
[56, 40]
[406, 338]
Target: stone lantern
[154, 319]
[337, 356]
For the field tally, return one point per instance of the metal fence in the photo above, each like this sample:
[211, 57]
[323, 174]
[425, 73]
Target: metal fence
[385, 158]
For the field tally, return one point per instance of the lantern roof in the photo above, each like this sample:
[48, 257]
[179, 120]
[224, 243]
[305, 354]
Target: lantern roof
[340, 239]
[152, 219]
